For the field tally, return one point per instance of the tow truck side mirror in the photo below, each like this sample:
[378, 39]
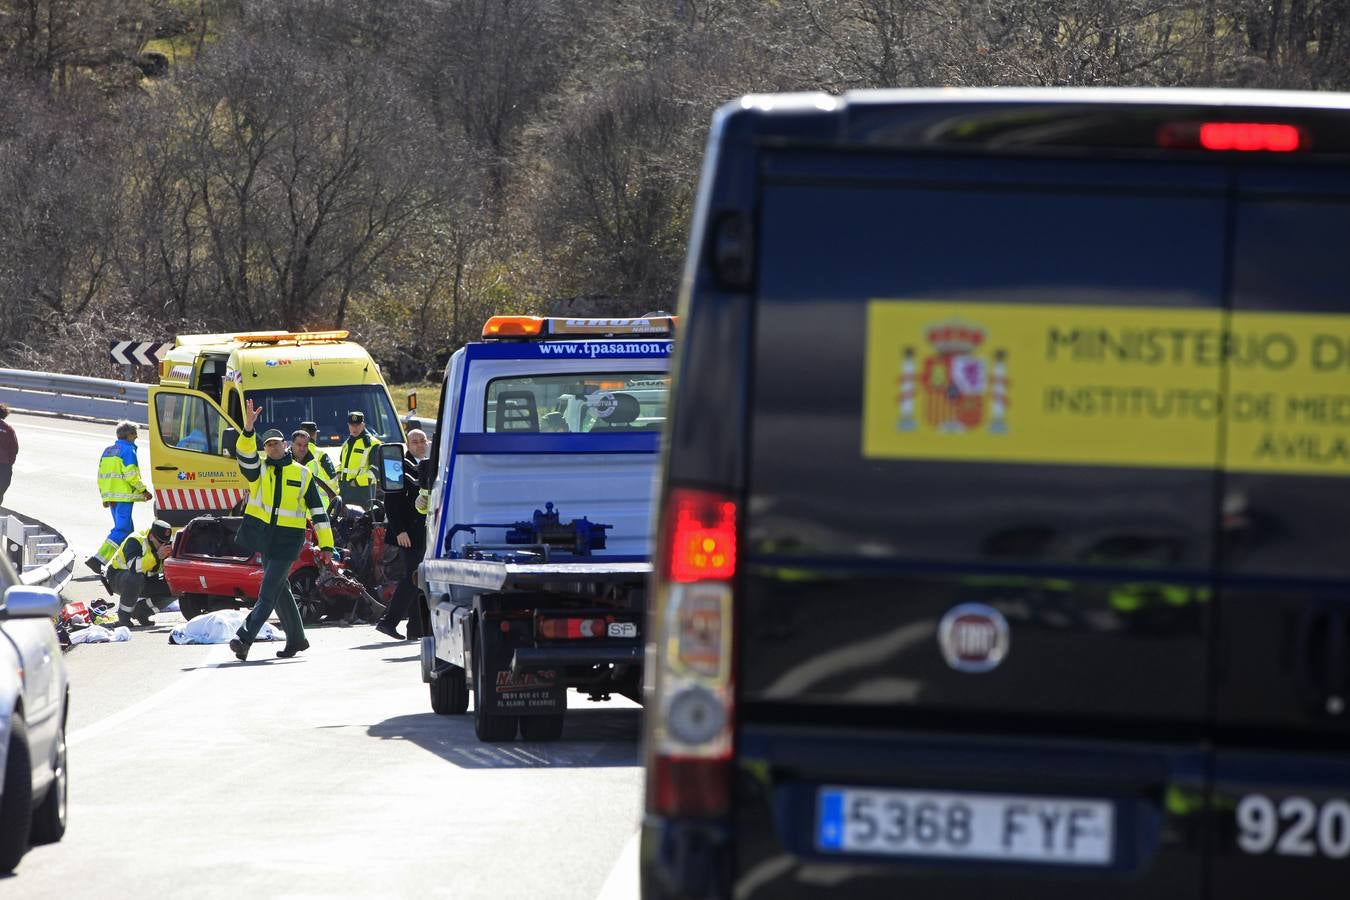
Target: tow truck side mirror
[389, 464]
[412, 401]
[227, 439]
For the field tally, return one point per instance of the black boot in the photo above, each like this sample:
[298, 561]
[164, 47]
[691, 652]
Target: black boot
[144, 613]
[288, 651]
[240, 649]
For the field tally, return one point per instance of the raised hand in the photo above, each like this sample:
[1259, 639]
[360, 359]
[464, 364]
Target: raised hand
[251, 414]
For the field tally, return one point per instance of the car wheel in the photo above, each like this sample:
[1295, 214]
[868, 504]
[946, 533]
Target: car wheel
[302, 587]
[487, 727]
[450, 692]
[16, 804]
[541, 728]
[49, 819]
[191, 606]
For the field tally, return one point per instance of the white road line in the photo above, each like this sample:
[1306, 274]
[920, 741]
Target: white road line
[29, 426]
[107, 724]
[622, 883]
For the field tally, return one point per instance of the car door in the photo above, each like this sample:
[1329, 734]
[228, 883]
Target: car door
[192, 465]
[39, 686]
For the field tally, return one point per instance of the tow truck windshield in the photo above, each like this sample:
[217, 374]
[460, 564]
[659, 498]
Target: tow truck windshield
[286, 408]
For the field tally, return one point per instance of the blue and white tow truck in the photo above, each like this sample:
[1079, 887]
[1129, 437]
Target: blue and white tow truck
[539, 527]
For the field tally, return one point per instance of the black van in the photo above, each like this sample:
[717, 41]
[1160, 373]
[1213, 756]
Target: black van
[1003, 521]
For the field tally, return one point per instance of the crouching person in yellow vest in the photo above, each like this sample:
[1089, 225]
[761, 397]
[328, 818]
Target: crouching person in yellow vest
[136, 573]
[283, 494]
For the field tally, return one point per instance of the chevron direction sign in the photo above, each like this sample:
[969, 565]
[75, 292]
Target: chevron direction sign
[139, 353]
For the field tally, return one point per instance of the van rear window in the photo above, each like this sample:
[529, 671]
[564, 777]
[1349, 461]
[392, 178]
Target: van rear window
[971, 259]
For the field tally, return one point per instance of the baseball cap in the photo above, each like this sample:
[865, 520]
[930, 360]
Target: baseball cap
[299, 431]
[161, 530]
[273, 434]
[311, 427]
[355, 416]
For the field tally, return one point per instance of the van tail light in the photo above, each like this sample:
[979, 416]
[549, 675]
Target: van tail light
[689, 738]
[701, 535]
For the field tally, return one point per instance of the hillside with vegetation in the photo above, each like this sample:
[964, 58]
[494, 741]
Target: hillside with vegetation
[403, 168]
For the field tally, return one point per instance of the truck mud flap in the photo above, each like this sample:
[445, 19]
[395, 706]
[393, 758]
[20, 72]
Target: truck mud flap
[535, 693]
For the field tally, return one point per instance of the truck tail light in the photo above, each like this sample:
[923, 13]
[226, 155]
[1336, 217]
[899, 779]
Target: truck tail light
[572, 628]
[690, 735]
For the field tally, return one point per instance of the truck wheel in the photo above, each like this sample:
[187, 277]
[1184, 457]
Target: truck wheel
[49, 819]
[541, 728]
[487, 727]
[450, 692]
[16, 803]
[191, 606]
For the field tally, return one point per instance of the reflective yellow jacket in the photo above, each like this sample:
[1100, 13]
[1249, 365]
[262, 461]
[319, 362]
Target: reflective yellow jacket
[119, 474]
[322, 468]
[282, 497]
[356, 459]
[136, 554]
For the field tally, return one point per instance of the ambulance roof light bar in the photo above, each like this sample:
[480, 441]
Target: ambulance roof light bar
[526, 327]
[299, 337]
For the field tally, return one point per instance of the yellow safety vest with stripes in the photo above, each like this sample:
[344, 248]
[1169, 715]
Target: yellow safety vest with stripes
[146, 563]
[315, 464]
[287, 509]
[119, 476]
[356, 460]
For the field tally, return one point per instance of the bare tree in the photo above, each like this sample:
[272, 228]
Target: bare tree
[622, 195]
[49, 40]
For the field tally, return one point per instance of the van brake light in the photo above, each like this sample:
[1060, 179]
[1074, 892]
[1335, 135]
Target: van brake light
[1245, 137]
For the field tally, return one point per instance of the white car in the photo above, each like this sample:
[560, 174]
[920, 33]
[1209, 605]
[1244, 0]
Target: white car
[33, 701]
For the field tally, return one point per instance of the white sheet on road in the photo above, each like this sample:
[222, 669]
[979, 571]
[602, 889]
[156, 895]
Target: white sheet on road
[218, 627]
[97, 634]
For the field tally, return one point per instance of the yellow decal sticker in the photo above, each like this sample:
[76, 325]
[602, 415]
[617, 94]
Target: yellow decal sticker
[1122, 386]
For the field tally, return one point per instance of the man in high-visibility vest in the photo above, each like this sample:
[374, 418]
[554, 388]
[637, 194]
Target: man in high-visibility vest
[282, 496]
[318, 463]
[120, 485]
[135, 573]
[354, 479]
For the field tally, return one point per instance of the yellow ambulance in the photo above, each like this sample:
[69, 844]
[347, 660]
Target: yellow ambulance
[197, 408]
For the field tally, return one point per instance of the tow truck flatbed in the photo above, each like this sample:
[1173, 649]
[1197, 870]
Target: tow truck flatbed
[505, 577]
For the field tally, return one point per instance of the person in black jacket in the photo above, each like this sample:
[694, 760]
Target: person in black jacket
[408, 527]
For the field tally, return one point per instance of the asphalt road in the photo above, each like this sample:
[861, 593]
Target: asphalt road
[195, 775]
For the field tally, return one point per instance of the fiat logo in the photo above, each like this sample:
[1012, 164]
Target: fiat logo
[973, 637]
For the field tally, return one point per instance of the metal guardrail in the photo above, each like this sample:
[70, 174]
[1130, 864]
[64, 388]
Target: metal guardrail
[99, 398]
[72, 395]
[41, 555]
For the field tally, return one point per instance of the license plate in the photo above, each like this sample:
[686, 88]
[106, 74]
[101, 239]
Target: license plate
[1001, 827]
